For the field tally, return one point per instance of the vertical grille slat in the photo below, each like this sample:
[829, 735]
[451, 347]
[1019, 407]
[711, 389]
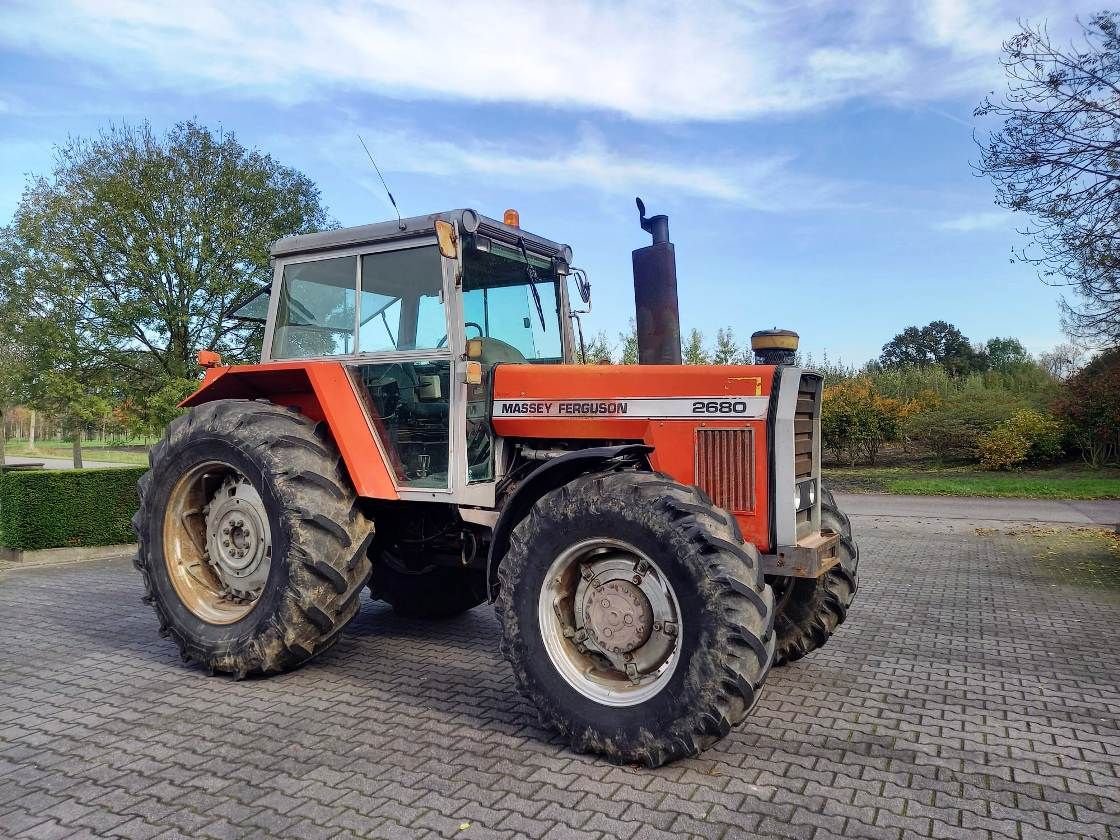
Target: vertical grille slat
[803, 426]
[723, 467]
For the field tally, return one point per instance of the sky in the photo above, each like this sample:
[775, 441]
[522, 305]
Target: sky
[813, 156]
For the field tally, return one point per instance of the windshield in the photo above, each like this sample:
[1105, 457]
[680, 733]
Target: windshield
[499, 302]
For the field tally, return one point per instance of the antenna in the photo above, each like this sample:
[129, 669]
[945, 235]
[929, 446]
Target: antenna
[388, 192]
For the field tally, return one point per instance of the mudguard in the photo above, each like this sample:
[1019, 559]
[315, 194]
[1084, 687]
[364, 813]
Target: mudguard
[320, 390]
[548, 476]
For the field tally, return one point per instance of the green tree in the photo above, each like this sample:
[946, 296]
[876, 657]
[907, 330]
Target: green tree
[693, 352]
[150, 239]
[1006, 354]
[598, 350]
[937, 343]
[629, 341]
[63, 372]
[727, 350]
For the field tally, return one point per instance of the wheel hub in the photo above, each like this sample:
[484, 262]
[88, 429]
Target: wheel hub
[238, 538]
[618, 615]
[610, 622]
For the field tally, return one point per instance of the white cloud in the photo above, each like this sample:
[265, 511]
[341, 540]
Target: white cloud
[765, 183]
[975, 221]
[715, 60]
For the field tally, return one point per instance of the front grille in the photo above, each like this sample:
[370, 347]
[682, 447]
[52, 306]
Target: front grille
[724, 467]
[804, 425]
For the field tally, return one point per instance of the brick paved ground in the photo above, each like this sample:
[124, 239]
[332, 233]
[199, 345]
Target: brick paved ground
[969, 696]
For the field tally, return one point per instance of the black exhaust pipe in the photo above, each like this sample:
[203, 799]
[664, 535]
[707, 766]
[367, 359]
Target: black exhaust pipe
[655, 295]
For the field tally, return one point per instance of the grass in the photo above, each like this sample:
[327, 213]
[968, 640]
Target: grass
[92, 451]
[1064, 482]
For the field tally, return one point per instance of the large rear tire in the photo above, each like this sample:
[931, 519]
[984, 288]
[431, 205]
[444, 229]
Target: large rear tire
[251, 545]
[634, 571]
[809, 611]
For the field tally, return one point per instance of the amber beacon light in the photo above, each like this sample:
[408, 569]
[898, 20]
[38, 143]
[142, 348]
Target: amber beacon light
[511, 218]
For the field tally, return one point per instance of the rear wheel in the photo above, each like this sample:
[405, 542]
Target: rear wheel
[251, 545]
[810, 610]
[634, 617]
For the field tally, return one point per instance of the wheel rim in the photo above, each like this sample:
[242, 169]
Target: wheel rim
[610, 622]
[217, 543]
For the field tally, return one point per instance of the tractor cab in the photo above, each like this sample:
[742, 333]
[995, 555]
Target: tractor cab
[421, 310]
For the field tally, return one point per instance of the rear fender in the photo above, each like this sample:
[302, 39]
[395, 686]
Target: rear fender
[547, 477]
[322, 391]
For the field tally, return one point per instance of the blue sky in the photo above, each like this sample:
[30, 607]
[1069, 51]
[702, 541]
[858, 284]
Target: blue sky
[813, 156]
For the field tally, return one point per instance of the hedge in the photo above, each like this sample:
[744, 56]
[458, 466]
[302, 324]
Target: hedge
[67, 508]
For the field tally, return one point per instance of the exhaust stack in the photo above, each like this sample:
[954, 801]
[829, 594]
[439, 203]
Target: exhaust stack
[655, 294]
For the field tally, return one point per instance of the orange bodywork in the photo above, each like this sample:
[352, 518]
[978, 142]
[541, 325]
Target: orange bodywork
[321, 391]
[664, 418]
[674, 439]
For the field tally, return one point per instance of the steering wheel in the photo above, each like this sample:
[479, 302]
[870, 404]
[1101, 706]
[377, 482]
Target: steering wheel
[443, 341]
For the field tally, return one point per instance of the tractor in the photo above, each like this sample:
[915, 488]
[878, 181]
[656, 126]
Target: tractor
[653, 537]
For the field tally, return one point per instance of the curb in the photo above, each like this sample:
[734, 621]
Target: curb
[45, 556]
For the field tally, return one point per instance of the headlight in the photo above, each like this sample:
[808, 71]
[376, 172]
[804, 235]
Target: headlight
[796, 499]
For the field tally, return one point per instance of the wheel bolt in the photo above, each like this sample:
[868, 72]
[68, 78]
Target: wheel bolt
[637, 578]
[225, 543]
[606, 604]
[608, 632]
[226, 531]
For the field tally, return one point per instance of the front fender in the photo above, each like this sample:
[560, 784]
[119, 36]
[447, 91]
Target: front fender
[548, 476]
[322, 391]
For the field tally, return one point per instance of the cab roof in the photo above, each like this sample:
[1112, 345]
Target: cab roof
[468, 220]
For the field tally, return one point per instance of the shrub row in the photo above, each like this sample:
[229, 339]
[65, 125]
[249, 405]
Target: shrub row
[67, 508]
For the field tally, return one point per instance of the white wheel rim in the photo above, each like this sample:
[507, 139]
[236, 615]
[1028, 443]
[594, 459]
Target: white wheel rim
[610, 622]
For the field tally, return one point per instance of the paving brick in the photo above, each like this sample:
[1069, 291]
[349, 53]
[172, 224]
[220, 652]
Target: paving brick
[926, 716]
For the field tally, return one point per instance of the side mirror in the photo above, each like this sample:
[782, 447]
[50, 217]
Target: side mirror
[583, 285]
[447, 238]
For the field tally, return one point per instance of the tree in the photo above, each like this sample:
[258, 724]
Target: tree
[937, 343]
[727, 351]
[693, 352]
[1056, 158]
[629, 341]
[597, 350]
[1090, 404]
[1006, 354]
[1063, 361]
[146, 242]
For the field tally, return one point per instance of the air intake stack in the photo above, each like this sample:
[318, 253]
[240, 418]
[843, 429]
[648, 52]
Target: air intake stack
[775, 347]
[655, 295]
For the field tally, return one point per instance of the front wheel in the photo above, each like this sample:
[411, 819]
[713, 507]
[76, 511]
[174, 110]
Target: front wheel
[811, 609]
[634, 617]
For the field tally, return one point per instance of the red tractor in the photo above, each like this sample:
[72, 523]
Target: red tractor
[653, 537]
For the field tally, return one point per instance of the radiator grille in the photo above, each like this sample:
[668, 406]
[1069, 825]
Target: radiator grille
[723, 467]
[804, 417]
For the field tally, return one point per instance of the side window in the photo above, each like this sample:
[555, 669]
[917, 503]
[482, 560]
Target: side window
[401, 306]
[316, 311]
[409, 403]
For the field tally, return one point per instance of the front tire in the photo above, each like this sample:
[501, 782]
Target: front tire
[638, 552]
[811, 609]
[251, 545]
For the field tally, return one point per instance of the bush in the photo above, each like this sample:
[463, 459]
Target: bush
[1027, 437]
[1003, 448]
[857, 419]
[66, 508]
[1091, 408]
[954, 426]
